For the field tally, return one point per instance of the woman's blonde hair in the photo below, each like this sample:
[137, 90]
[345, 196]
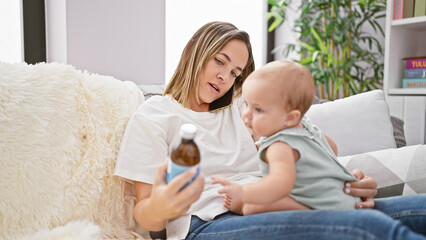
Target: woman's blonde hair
[203, 45]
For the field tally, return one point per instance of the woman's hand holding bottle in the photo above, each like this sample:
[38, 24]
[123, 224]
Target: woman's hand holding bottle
[167, 201]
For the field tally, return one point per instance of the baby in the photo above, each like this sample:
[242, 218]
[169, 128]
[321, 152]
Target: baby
[296, 158]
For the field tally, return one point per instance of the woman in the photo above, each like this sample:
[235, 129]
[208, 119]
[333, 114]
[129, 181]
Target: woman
[209, 75]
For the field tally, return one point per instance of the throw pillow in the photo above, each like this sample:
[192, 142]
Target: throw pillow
[358, 124]
[399, 171]
[60, 132]
[398, 131]
[397, 123]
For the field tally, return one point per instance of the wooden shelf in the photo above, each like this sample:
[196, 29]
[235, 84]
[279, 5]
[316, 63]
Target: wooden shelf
[407, 91]
[403, 38]
[411, 23]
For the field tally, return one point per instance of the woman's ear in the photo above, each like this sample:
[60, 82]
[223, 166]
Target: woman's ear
[293, 118]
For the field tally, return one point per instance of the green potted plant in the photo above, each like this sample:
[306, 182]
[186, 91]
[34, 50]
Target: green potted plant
[344, 58]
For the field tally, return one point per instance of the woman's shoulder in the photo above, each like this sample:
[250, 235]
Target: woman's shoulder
[156, 103]
[157, 110]
[158, 99]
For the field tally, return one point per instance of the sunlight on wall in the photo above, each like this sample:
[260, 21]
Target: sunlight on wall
[11, 33]
[185, 17]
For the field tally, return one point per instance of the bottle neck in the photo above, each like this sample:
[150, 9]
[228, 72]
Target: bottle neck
[186, 140]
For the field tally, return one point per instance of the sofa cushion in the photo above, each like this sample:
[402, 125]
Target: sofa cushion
[150, 90]
[358, 124]
[400, 171]
[397, 124]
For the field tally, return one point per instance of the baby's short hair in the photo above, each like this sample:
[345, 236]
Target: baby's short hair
[296, 83]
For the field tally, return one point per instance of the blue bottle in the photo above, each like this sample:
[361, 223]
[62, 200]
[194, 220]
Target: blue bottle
[185, 155]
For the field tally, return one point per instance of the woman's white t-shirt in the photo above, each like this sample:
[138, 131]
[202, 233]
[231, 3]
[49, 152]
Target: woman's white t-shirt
[226, 149]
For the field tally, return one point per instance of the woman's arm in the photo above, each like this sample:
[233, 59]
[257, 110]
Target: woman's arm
[161, 201]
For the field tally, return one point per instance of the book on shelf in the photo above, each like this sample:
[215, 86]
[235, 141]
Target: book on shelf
[398, 6]
[408, 9]
[415, 73]
[414, 83]
[419, 8]
[415, 62]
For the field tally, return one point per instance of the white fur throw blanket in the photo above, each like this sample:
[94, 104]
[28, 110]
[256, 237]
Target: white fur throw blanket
[60, 132]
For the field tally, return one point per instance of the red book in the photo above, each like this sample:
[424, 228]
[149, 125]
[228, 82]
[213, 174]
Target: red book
[414, 63]
[398, 6]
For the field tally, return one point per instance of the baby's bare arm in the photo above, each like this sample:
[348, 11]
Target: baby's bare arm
[275, 186]
[280, 180]
[332, 144]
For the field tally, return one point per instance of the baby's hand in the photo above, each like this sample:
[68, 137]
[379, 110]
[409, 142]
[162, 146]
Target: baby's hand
[232, 190]
[234, 194]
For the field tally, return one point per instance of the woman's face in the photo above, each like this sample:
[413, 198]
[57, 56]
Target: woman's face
[220, 73]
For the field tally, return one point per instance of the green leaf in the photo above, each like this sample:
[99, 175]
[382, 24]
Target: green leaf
[306, 46]
[362, 2]
[325, 42]
[315, 56]
[318, 39]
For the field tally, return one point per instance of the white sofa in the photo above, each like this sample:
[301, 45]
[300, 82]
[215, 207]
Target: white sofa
[60, 132]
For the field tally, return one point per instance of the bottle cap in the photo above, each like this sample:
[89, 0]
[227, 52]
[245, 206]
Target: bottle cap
[188, 131]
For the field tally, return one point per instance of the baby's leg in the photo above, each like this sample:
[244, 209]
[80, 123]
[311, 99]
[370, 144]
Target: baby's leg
[233, 205]
[284, 204]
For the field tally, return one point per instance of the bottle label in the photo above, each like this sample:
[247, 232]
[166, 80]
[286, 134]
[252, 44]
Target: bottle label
[174, 169]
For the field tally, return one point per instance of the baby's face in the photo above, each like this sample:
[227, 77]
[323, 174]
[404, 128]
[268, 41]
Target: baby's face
[264, 111]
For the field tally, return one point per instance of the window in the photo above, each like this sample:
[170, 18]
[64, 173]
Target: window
[11, 31]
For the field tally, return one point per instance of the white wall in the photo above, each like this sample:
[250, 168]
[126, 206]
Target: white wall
[11, 31]
[141, 40]
[56, 31]
[185, 17]
[285, 35]
[124, 39]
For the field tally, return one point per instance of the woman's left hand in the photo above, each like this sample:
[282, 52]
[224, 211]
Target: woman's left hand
[365, 188]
